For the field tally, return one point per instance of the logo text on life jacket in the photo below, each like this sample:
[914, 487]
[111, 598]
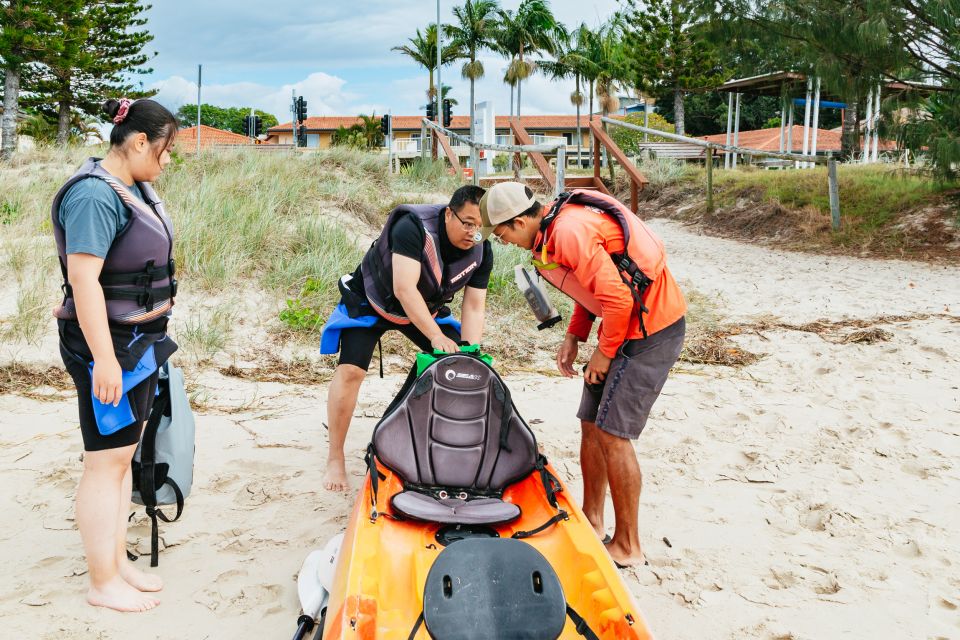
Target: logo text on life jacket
[464, 272]
[453, 375]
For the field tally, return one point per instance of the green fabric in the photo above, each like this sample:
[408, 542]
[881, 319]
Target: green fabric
[424, 360]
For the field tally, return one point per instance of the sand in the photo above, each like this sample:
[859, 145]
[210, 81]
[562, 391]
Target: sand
[813, 494]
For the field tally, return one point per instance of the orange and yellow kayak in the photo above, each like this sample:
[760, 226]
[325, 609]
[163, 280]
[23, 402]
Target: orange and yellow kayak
[378, 585]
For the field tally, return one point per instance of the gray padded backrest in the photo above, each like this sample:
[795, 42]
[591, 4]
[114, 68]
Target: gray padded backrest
[446, 431]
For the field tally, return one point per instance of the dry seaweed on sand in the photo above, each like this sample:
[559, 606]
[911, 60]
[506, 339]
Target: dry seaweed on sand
[272, 368]
[21, 379]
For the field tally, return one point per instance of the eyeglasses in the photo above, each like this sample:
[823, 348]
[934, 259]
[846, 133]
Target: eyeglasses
[498, 237]
[469, 227]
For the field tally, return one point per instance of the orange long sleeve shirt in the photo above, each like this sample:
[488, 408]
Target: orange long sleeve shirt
[582, 241]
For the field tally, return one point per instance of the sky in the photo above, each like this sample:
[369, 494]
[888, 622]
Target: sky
[336, 54]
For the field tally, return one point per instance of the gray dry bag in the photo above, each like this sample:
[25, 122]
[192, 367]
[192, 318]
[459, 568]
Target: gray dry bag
[163, 462]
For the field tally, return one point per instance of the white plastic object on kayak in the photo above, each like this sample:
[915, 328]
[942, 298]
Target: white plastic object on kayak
[328, 564]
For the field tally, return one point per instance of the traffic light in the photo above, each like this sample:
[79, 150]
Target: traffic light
[257, 126]
[431, 111]
[246, 125]
[447, 113]
[302, 135]
[385, 125]
[301, 109]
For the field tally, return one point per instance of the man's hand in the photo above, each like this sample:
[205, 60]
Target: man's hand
[445, 344]
[597, 368]
[567, 355]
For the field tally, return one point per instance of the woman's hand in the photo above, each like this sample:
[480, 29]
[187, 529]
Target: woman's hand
[108, 381]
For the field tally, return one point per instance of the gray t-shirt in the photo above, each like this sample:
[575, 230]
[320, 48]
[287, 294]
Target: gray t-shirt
[92, 215]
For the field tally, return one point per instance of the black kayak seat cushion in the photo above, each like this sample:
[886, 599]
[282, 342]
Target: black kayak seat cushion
[482, 588]
[419, 506]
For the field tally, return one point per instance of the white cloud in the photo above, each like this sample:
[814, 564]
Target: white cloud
[325, 95]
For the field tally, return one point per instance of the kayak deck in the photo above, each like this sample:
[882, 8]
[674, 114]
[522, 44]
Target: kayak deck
[383, 565]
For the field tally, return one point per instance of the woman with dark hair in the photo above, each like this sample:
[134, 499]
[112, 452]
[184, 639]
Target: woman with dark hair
[116, 253]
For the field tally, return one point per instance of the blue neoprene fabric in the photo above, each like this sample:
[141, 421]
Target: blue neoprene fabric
[111, 419]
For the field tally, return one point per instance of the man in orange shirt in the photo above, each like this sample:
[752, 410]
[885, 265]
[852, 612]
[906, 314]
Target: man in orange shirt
[613, 266]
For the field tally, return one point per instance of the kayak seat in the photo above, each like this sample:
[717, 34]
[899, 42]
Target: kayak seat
[456, 441]
[420, 506]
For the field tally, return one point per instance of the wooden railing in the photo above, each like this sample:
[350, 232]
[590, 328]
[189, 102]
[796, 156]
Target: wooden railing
[637, 180]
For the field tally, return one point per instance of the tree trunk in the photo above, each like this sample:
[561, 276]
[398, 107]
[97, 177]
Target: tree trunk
[590, 118]
[849, 136]
[473, 133]
[678, 115]
[607, 155]
[8, 125]
[579, 134]
[519, 82]
[63, 124]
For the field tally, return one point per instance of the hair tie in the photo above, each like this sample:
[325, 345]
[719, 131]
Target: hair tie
[122, 111]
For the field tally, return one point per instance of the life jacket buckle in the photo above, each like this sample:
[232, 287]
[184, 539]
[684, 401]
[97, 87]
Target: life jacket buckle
[173, 287]
[145, 299]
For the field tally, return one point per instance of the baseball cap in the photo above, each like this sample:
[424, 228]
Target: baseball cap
[503, 201]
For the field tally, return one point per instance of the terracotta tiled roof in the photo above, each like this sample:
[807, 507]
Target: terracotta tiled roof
[209, 136]
[412, 123]
[769, 139]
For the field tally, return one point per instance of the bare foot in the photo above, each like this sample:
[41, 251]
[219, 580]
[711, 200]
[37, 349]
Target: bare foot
[335, 478]
[138, 579]
[625, 558]
[120, 596]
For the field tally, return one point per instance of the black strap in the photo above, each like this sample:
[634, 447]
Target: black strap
[416, 627]
[147, 481]
[550, 487]
[580, 624]
[371, 460]
[380, 347]
[561, 515]
[503, 395]
[550, 481]
[179, 494]
[141, 278]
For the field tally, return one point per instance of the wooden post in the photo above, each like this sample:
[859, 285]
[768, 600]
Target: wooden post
[709, 179]
[834, 192]
[560, 176]
[634, 196]
[596, 155]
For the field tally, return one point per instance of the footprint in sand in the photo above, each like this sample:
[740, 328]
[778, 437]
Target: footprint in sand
[228, 594]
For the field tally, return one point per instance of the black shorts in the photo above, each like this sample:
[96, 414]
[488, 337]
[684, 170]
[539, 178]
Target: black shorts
[357, 344]
[76, 358]
[637, 374]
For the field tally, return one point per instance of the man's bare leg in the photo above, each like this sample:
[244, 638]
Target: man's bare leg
[623, 473]
[341, 401]
[594, 469]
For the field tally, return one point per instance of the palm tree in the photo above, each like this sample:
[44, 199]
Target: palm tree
[530, 29]
[571, 62]
[423, 50]
[369, 126]
[444, 90]
[474, 31]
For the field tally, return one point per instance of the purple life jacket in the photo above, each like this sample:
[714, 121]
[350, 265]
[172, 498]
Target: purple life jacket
[438, 281]
[138, 271]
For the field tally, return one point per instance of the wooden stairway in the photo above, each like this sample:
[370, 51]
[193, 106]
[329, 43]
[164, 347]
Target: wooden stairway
[587, 183]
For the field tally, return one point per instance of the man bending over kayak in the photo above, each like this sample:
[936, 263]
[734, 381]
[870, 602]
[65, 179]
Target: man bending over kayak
[425, 254]
[579, 243]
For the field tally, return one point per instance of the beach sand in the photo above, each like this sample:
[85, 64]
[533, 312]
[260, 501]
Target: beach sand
[813, 494]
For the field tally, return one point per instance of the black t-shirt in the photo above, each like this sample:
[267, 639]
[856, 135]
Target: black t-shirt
[407, 237]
